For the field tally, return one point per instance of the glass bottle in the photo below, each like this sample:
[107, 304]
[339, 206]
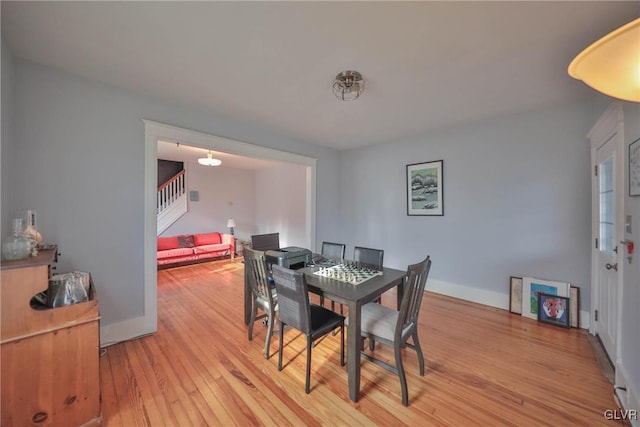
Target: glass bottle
[18, 245]
[30, 226]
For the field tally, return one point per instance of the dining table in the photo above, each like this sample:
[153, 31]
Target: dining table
[354, 296]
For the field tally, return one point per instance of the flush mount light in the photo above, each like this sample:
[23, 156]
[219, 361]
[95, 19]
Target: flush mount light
[348, 85]
[611, 65]
[209, 160]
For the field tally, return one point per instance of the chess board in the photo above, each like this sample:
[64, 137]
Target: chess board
[349, 273]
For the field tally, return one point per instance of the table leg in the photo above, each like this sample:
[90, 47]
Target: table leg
[353, 351]
[400, 293]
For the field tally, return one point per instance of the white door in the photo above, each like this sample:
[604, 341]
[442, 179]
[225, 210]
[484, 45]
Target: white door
[608, 193]
[607, 264]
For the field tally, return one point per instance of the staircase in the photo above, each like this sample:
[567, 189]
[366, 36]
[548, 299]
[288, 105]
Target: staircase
[171, 201]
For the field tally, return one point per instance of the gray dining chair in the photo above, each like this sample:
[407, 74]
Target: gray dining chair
[395, 327]
[295, 311]
[264, 294]
[335, 251]
[371, 257]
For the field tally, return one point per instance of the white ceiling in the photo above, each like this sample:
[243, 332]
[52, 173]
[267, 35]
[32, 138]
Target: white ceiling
[185, 153]
[427, 65]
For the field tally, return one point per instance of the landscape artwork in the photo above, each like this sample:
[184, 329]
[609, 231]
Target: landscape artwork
[425, 188]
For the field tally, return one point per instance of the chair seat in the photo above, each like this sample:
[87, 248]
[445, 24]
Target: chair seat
[378, 320]
[323, 320]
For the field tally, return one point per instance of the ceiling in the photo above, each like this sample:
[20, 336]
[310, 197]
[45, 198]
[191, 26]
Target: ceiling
[185, 153]
[426, 65]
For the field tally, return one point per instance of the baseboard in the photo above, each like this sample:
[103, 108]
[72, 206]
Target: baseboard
[123, 331]
[483, 296]
[628, 397]
[480, 296]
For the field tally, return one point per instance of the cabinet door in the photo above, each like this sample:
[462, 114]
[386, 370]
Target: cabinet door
[52, 379]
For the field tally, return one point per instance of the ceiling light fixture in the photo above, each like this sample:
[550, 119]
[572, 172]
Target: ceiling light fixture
[348, 85]
[209, 160]
[611, 65]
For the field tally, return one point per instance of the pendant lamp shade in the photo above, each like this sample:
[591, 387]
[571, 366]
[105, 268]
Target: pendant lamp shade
[209, 160]
[611, 65]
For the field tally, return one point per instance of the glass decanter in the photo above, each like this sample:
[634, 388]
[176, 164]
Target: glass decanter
[18, 245]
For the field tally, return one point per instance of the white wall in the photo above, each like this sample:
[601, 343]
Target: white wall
[516, 202]
[223, 193]
[280, 207]
[69, 135]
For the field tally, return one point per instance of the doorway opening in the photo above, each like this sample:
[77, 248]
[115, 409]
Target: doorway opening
[155, 132]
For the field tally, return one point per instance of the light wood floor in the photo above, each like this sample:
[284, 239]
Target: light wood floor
[484, 366]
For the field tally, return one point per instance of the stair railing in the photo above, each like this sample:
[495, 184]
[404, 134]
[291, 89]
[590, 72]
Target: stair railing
[171, 191]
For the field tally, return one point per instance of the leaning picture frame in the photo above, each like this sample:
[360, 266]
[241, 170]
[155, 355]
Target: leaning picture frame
[574, 303]
[515, 295]
[634, 168]
[554, 309]
[425, 190]
[532, 286]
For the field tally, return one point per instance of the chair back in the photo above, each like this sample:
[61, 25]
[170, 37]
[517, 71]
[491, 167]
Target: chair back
[333, 250]
[413, 291]
[256, 263]
[372, 257]
[265, 242]
[293, 298]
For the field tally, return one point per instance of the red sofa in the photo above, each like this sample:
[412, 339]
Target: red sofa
[189, 248]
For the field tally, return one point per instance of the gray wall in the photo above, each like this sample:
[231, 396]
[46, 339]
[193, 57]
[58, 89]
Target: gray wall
[70, 131]
[7, 141]
[223, 193]
[280, 206]
[628, 370]
[516, 202]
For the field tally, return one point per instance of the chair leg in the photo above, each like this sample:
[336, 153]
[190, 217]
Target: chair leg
[333, 308]
[267, 342]
[307, 387]
[416, 344]
[342, 345]
[280, 346]
[372, 344]
[254, 312]
[403, 379]
[321, 301]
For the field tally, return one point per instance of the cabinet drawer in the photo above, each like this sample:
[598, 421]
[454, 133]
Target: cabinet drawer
[52, 379]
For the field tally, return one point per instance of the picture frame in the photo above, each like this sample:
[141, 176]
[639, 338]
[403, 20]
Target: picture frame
[634, 168]
[554, 310]
[574, 304]
[532, 286]
[515, 295]
[425, 188]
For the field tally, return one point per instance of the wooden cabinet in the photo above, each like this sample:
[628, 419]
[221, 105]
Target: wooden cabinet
[49, 356]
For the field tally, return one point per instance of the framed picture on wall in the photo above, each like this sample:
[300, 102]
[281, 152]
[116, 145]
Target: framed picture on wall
[425, 188]
[634, 168]
[532, 287]
[515, 295]
[554, 310]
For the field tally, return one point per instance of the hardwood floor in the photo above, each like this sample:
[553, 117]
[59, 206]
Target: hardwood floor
[484, 366]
